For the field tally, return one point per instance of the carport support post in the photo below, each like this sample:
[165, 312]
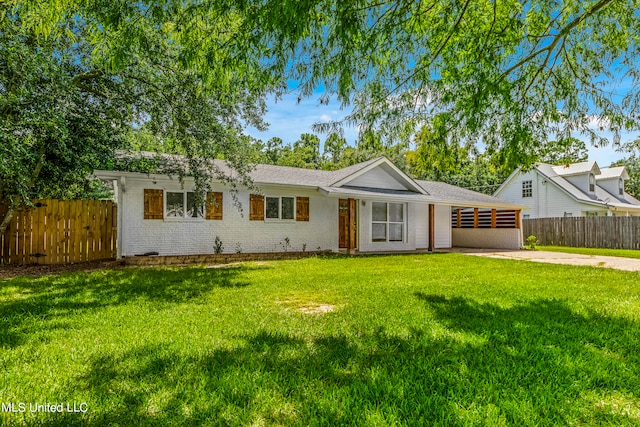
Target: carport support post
[431, 227]
[351, 239]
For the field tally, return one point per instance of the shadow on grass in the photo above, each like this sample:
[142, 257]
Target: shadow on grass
[538, 363]
[50, 297]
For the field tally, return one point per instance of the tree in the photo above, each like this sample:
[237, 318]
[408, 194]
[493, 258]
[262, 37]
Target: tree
[58, 118]
[632, 185]
[273, 150]
[65, 110]
[510, 74]
[334, 146]
[305, 153]
[563, 152]
[439, 157]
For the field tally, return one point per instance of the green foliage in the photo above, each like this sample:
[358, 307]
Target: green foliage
[78, 81]
[305, 153]
[476, 341]
[632, 185]
[564, 152]
[531, 242]
[439, 157]
[334, 147]
[218, 248]
[508, 73]
[59, 117]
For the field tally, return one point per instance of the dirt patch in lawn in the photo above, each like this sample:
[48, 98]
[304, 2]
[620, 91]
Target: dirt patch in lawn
[314, 308]
[307, 305]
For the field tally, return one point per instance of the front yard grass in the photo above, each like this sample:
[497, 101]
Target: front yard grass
[440, 339]
[625, 253]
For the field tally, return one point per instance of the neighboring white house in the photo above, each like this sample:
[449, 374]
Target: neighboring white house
[579, 189]
[371, 206]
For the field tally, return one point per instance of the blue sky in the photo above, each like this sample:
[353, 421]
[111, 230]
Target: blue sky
[288, 119]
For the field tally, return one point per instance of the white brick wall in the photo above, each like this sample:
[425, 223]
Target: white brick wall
[186, 237]
[496, 238]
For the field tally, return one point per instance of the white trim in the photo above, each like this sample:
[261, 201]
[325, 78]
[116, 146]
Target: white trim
[184, 217]
[382, 160]
[388, 222]
[280, 219]
[507, 181]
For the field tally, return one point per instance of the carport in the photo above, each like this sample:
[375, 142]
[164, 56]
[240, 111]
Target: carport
[479, 220]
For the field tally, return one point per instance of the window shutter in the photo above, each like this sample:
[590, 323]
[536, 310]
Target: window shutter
[302, 209]
[256, 207]
[153, 204]
[214, 205]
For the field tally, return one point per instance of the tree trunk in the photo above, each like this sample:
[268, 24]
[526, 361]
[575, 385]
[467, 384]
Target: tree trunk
[15, 201]
[13, 207]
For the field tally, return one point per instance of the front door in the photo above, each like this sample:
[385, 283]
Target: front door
[343, 223]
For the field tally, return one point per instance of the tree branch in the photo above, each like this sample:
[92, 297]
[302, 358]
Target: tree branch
[562, 34]
[438, 51]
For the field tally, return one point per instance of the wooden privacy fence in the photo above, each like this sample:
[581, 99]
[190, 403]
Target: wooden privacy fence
[618, 232]
[60, 231]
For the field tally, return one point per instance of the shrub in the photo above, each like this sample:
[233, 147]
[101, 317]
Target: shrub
[532, 242]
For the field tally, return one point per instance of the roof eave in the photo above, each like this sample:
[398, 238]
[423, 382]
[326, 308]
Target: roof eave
[378, 162]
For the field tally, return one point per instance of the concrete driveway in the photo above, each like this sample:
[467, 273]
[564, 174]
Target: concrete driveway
[627, 264]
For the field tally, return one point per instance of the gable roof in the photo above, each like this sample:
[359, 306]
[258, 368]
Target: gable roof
[576, 169]
[349, 174]
[611, 173]
[463, 197]
[335, 183]
[600, 198]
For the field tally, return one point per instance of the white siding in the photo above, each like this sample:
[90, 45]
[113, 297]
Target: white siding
[547, 200]
[610, 185]
[364, 228]
[442, 233]
[185, 237]
[513, 192]
[421, 215]
[377, 178]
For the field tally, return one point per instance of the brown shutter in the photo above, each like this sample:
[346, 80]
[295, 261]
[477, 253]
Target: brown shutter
[153, 204]
[302, 209]
[214, 205]
[256, 207]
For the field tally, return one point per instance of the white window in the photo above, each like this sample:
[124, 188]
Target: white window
[182, 204]
[568, 214]
[525, 216]
[280, 208]
[387, 222]
[527, 188]
[592, 182]
[621, 186]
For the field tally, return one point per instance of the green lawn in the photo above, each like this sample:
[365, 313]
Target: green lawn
[441, 339]
[627, 253]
